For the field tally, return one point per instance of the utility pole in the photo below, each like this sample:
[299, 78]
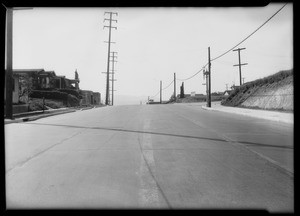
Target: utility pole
[112, 74]
[108, 57]
[243, 80]
[240, 69]
[175, 87]
[205, 76]
[160, 91]
[209, 79]
[9, 61]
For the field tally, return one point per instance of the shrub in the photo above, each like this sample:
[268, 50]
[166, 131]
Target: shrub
[73, 101]
[72, 92]
[36, 105]
[56, 95]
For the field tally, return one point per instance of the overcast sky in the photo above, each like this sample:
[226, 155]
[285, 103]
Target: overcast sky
[153, 44]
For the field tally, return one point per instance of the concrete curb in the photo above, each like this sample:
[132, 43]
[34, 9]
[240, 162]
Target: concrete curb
[47, 113]
[251, 114]
[33, 118]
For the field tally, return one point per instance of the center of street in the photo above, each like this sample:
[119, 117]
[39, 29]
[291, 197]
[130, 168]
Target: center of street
[155, 156]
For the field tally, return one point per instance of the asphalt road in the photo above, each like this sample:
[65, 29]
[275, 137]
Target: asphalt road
[150, 156]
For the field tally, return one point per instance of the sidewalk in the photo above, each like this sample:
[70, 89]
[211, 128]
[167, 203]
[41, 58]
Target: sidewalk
[262, 114]
[31, 116]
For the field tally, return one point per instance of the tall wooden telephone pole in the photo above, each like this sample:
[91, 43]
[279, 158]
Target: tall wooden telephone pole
[112, 76]
[209, 79]
[240, 69]
[108, 58]
[160, 91]
[205, 76]
[9, 61]
[175, 87]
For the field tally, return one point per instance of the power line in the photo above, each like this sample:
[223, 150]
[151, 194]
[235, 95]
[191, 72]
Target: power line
[162, 90]
[236, 44]
[250, 34]
[168, 85]
[229, 49]
[192, 75]
[156, 94]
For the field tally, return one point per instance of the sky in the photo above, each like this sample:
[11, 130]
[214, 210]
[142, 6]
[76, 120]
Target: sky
[153, 44]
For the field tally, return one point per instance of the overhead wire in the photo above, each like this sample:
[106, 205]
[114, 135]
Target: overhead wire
[236, 44]
[229, 49]
[168, 85]
[250, 34]
[162, 89]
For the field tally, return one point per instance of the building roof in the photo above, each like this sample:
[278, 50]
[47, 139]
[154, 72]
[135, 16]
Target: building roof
[40, 72]
[86, 91]
[227, 91]
[26, 71]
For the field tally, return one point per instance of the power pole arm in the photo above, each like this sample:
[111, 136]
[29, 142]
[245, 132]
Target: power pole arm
[239, 64]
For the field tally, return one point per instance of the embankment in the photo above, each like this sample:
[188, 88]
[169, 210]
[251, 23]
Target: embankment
[275, 92]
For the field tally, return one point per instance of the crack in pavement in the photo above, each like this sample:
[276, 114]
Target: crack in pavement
[149, 191]
[237, 143]
[19, 164]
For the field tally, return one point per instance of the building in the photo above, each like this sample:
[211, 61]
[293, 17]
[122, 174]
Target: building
[90, 98]
[61, 82]
[29, 78]
[87, 97]
[97, 98]
[227, 92]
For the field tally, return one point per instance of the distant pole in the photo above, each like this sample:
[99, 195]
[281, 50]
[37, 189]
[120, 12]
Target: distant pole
[175, 87]
[226, 86]
[243, 80]
[160, 91]
[205, 74]
[9, 64]
[240, 68]
[209, 79]
[108, 58]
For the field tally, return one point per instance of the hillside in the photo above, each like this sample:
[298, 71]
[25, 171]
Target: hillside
[274, 92]
[190, 99]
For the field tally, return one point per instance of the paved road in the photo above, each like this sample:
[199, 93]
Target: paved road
[155, 156]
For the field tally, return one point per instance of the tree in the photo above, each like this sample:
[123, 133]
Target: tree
[182, 90]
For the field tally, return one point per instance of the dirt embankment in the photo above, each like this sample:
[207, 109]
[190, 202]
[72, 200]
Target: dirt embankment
[274, 92]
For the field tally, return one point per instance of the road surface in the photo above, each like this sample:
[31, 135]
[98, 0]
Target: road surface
[174, 156]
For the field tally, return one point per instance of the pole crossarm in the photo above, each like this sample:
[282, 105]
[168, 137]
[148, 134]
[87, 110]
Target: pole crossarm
[240, 64]
[111, 13]
[109, 20]
[110, 27]
[238, 49]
